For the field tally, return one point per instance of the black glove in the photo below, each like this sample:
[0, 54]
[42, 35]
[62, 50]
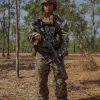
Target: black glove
[62, 54]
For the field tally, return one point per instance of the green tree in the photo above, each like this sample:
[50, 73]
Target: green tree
[91, 7]
[33, 9]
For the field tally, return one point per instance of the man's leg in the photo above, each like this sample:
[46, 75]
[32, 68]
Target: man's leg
[61, 89]
[60, 77]
[43, 72]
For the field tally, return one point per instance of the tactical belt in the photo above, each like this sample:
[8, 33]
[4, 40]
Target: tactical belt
[43, 50]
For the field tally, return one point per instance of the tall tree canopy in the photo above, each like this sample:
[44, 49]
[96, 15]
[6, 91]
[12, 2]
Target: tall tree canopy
[82, 20]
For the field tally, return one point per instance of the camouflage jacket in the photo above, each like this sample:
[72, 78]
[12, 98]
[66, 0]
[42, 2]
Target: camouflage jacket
[61, 33]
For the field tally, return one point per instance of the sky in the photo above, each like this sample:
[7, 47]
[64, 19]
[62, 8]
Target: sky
[87, 16]
[77, 1]
[80, 1]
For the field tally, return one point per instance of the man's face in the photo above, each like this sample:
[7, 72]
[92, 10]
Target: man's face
[48, 7]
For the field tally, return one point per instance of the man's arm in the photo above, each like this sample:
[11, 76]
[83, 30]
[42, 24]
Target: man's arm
[33, 33]
[64, 36]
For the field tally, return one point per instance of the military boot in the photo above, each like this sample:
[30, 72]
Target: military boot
[43, 98]
[59, 98]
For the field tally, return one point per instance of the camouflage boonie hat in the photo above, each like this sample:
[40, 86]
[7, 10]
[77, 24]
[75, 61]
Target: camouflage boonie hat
[51, 1]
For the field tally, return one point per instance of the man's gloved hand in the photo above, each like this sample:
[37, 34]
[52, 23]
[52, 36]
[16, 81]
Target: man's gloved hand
[65, 53]
[38, 37]
[62, 54]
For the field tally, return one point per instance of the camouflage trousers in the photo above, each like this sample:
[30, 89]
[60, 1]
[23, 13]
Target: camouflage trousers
[59, 75]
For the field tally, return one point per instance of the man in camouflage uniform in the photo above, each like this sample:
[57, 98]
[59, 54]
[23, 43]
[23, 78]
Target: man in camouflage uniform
[54, 26]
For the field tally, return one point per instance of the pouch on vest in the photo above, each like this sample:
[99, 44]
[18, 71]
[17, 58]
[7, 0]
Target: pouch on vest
[35, 48]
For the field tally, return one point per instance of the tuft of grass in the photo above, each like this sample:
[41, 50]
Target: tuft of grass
[88, 63]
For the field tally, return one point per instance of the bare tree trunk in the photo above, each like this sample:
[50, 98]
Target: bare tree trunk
[17, 40]
[8, 29]
[3, 36]
[74, 46]
[19, 13]
[94, 29]
[13, 31]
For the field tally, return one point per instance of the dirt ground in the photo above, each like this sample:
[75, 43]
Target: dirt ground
[82, 84]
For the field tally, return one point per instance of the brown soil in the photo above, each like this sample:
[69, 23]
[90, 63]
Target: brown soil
[82, 84]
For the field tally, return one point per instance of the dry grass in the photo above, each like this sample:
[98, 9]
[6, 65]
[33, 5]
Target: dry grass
[83, 84]
[88, 62]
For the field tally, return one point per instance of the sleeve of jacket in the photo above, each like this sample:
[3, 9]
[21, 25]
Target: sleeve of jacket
[33, 30]
[64, 36]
